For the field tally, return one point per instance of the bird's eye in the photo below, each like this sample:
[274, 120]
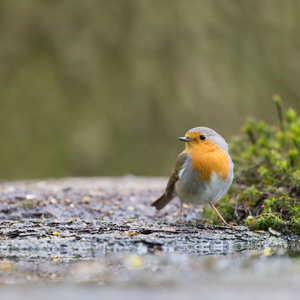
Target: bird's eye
[202, 137]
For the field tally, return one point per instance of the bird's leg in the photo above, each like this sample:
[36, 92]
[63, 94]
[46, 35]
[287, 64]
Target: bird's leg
[180, 211]
[221, 218]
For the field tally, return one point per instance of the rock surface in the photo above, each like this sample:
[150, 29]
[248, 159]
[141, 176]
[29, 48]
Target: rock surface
[102, 231]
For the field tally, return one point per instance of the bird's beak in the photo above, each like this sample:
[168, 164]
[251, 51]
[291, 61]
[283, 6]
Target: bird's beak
[185, 139]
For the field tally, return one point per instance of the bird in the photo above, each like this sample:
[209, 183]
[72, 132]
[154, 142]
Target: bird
[203, 172]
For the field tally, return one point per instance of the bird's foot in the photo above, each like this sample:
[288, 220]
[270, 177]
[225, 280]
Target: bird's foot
[230, 225]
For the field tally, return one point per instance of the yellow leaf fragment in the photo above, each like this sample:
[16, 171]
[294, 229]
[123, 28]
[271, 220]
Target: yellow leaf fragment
[267, 251]
[6, 266]
[132, 233]
[133, 261]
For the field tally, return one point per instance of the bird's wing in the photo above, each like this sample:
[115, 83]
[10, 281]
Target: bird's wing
[169, 193]
[174, 175]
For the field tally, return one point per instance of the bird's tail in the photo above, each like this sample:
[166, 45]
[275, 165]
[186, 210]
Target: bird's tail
[161, 201]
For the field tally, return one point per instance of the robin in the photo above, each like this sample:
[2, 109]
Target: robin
[203, 172]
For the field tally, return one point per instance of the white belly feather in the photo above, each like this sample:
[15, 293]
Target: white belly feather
[192, 191]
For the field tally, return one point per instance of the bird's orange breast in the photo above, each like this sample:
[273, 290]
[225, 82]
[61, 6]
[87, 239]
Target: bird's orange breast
[206, 158]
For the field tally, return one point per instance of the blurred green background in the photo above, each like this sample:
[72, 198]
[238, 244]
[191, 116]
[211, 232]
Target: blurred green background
[96, 88]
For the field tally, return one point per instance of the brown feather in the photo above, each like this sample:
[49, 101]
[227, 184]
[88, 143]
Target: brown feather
[170, 193]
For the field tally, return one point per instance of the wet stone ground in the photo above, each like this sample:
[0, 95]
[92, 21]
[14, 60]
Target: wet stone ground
[81, 237]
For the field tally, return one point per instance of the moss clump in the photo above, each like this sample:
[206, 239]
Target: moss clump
[266, 189]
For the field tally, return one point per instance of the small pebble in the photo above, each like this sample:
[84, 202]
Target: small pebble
[53, 201]
[85, 200]
[68, 201]
[9, 189]
[132, 199]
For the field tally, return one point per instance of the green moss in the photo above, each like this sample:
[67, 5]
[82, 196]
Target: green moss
[266, 190]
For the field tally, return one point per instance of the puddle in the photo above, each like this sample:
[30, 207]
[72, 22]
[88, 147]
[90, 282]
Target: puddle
[163, 275]
[113, 249]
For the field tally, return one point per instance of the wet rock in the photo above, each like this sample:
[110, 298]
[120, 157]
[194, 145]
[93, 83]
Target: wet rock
[42, 235]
